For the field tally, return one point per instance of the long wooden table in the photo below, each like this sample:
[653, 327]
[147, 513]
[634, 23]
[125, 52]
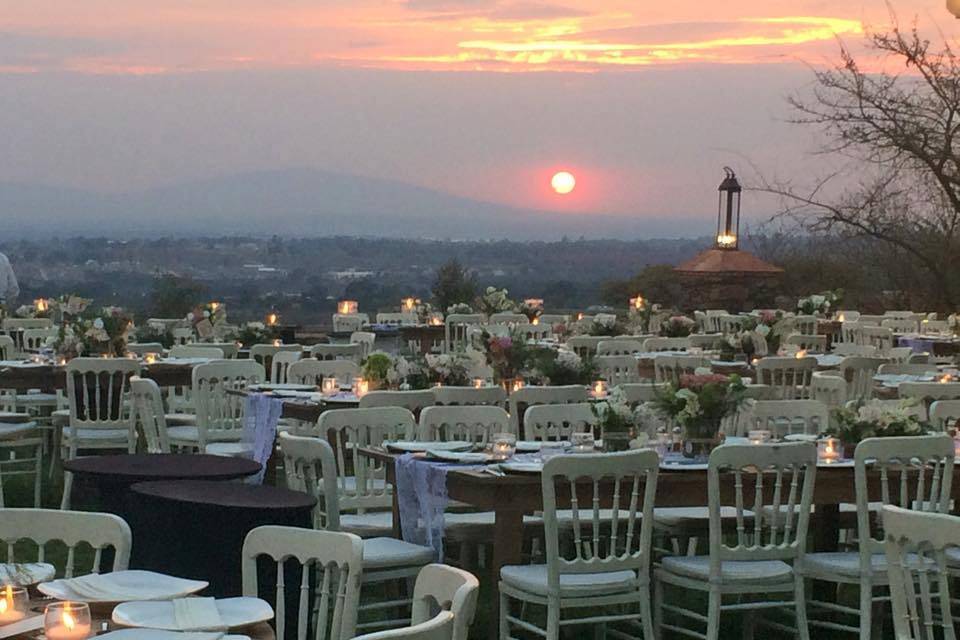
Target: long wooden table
[49, 378]
[512, 496]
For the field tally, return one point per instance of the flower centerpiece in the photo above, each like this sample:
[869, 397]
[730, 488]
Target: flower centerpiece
[606, 324]
[616, 420]
[678, 327]
[531, 310]
[409, 373]
[41, 308]
[450, 369]
[105, 334]
[495, 300]
[875, 420]
[507, 355]
[205, 317]
[563, 367]
[376, 369]
[459, 308]
[252, 333]
[424, 311]
[153, 333]
[819, 303]
[698, 404]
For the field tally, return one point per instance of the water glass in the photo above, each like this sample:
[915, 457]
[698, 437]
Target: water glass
[503, 446]
[582, 442]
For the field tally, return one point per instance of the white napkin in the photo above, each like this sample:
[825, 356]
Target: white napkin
[196, 614]
[93, 587]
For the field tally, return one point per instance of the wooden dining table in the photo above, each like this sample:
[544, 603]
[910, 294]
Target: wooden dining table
[50, 377]
[511, 496]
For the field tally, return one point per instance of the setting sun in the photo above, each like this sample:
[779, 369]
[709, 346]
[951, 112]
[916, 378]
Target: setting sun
[563, 182]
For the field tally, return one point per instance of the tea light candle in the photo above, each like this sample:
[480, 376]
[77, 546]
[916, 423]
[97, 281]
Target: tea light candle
[535, 321]
[504, 446]
[801, 354]
[759, 436]
[408, 304]
[945, 379]
[277, 342]
[517, 385]
[956, 446]
[828, 449]
[273, 319]
[599, 390]
[435, 321]
[347, 307]
[360, 387]
[13, 604]
[67, 621]
[329, 386]
[150, 358]
[478, 383]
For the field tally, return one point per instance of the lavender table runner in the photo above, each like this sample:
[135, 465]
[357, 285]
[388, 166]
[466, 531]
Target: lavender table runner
[260, 418]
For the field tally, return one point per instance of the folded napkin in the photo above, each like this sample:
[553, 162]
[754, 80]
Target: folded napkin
[196, 614]
[94, 587]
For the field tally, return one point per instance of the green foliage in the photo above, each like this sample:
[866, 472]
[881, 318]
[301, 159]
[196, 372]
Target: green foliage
[153, 334]
[700, 403]
[453, 285]
[851, 425]
[557, 369]
[377, 366]
[657, 283]
[175, 296]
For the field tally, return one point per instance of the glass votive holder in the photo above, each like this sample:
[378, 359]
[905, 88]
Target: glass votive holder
[599, 390]
[548, 449]
[503, 446]
[14, 604]
[829, 449]
[478, 383]
[329, 386]
[758, 436]
[582, 442]
[360, 387]
[67, 621]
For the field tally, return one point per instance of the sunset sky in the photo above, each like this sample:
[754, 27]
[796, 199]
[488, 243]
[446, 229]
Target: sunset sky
[643, 101]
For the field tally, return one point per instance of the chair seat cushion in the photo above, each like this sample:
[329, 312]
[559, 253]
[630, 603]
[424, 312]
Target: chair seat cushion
[229, 449]
[60, 417]
[180, 419]
[17, 431]
[97, 434]
[348, 485]
[760, 571]
[845, 563]
[10, 417]
[677, 516]
[37, 399]
[367, 525]
[532, 578]
[385, 553]
[184, 433]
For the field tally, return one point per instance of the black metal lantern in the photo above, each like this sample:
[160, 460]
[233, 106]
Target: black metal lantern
[728, 211]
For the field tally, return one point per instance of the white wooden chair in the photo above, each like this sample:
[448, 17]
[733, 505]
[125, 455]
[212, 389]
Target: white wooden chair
[149, 414]
[141, 349]
[440, 627]
[313, 371]
[900, 369]
[619, 347]
[526, 397]
[848, 332]
[901, 325]
[470, 396]
[847, 315]
[264, 353]
[666, 344]
[892, 461]
[731, 324]
[711, 320]
[100, 415]
[446, 588]
[349, 322]
[585, 346]
[366, 340]
[183, 335]
[196, 351]
[806, 325]
[944, 414]
[414, 401]
[617, 370]
[508, 317]
[784, 417]
[934, 326]
[930, 391]
[530, 332]
[790, 378]
[473, 424]
[555, 422]
[870, 320]
[334, 558]
[605, 571]
[551, 319]
[397, 319]
[899, 355]
[311, 467]
[918, 546]
[230, 349]
[879, 337]
[853, 349]
[859, 373]
[8, 348]
[352, 352]
[280, 365]
[807, 342]
[669, 368]
[219, 412]
[757, 561]
[20, 324]
[72, 529]
[36, 339]
[828, 387]
[640, 392]
[456, 330]
[707, 342]
[21, 453]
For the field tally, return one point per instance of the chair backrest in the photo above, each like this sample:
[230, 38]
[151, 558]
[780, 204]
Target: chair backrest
[706, 341]
[440, 587]
[585, 346]
[530, 332]
[526, 397]
[508, 317]
[19, 324]
[731, 324]
[71, 528]
[313, 371]
[361, 480]
[669, 368]
[859, 373]
[263, 353]
[230, 349]
[711, 320]
[333, 559]
[148, 412]
[639, 392]
[901, 369]
[441, 627]
[790, 378]
[366, 340]
[829, 387]
[456, 328]
[557, 421]
[473, 424]
[914, 472]
[414, 401]
[806, 325]
[619, 540]
[470, 396]
[143, 348]
[310, 466]
[219, 412]
[808, 342]
[916, 546]
[617, 370]
[8, 348]
[551, 319]
[352, 352]
[901, 325]
[196, 351]
[879, 337]
[743, 470]
[397, 319]
[900, 355]
[847, 315]
[666, 344]
[280, 365]
[182, 335]
[853, 349]
[783, 417]
[930, 391]
[36, 339]
[97, 390]
[619, 347]
[934, 326]
[944, 414]
[349, 322]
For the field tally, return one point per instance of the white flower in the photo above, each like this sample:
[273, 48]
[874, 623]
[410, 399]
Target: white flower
[762, 330]
[568, 359]
[98, 323]
[190, 317]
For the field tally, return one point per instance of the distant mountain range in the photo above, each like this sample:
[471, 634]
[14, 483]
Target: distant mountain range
[302, 202]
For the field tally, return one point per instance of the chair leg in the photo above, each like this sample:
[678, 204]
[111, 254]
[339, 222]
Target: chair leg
[37, 475]
[67, 488]
[800, 603]
[646, 616]
[713, 615]
[504, 610]
[866, 610]
[553, 618]
[657, 606]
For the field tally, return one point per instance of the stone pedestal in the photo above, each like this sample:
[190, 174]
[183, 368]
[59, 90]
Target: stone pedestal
[728, 279]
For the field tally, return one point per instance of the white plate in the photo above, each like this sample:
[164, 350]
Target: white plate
[684, 466]
[532, 446]
[418, 447]
[283, 387]
[160, 634]
[121, 586]
[234, 612]
[461, 457]
[521, 467]
[25, 574]
[800, 437]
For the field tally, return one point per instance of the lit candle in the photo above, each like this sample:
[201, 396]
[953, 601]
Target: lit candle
[41, 304]
[360, 387]
[535, 320]
[214, 306]
[517, 385]
[277, 342]
[329, 386]
[759, 436]
[150, 358]
[637, 303]
[478, 383]
[801, 354]
[346, 307]
[13, 604]
[67, 621]
[946, 378]
[273, 319]
[599, 390]
[579, 316]
[504, 446]
[841, 318]
[755, 361]
[828, 449]
[408, 304]
[435, 321]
